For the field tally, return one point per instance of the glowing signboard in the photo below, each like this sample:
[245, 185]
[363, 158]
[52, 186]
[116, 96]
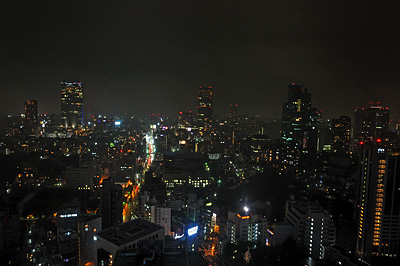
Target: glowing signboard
[193, 230]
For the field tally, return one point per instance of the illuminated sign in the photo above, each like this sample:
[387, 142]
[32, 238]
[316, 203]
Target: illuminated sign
[68, 215]
[117, 123]
[193, 230]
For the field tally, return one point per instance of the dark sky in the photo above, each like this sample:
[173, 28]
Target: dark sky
[151, 56]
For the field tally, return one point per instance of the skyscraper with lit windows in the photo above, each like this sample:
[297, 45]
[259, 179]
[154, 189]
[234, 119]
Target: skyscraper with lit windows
[379, 202]
[205, 108]
[299, 128]
[371, 122]
[71, 104]
[341, 129]
[31, 117]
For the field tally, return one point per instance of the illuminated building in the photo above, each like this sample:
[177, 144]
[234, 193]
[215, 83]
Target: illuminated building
[71, 104]
[31, 117]
[205, 108]
[185, 120]
[313, 227]
[341, 129]
[370, 122]
[88, 226]
[245, 226]
[379, 202]
[299, 128]
[162, 216]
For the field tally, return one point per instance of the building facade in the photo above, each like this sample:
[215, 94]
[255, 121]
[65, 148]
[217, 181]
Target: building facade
[205, 109]
[379, 202]
[71, 104]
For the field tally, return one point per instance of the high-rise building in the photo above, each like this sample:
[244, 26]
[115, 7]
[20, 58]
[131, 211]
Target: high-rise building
[341, 129]
[205, 108]
[233, 113]
[31, 116]
[379, 202]
[185, 120]
[299, 128]
[111, 204]
[370, 122]
[71, 104]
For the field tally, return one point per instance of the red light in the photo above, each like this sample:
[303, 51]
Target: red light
[378, 140]
[362, 142]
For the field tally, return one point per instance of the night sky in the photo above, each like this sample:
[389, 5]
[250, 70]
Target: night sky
[151, 56]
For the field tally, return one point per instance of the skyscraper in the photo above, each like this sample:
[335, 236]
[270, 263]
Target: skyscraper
[205, 108]
[379, 202]
[299, 128]
[31, 116]
[371, 122]
[341, 128]
[111, 203]
[71, 104]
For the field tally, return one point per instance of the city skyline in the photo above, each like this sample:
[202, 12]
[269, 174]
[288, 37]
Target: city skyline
[143, 56]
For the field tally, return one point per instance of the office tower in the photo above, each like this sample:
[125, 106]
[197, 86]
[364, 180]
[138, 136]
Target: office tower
[370, 122]
[233, 113]
[205, 109]
[71, 104]
[299, 128]
[31, 117]
[341, 128]
[379, 202]
[313, 227]
[185, 120]
[87, 227]
[111, 205]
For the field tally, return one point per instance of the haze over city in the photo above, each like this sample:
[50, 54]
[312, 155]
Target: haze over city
[151, 56]
[215, 132]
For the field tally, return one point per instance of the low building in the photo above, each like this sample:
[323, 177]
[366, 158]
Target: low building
[124, 236]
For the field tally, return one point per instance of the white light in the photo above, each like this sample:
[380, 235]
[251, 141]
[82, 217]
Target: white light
[193, 230]
[246, 209]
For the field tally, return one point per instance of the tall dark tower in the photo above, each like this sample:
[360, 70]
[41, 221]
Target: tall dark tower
[205, 108]
[111, 203]
[379, 202]
[299, 128]
[71, 104]
[31, 116]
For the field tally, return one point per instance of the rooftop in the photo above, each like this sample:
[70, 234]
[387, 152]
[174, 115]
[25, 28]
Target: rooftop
[129, 231]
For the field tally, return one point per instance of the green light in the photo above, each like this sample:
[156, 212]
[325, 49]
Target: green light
[111, 145]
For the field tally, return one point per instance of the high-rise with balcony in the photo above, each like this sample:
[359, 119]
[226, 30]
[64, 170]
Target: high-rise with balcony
[71, 104]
